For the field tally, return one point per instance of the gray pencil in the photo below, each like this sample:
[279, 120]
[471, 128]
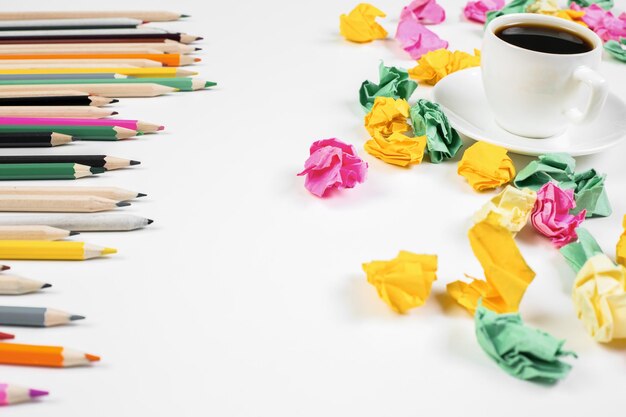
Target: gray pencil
[99, 222]
[34, 316]
[78, 76]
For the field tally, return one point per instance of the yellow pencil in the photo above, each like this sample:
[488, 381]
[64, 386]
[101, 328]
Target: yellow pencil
[51, 250]
[154, 72]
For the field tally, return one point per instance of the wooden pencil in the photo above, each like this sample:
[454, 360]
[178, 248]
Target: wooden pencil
[49, 356]
[80, 63]
[170, 60]
[122, 49]
[58, 203]
[60, 76]
[180, 84]
[14, 394]
[87, 112]
[53, 98]
[46, 171]
[107, 90]
[156, 72]
[4, 267]
[99, 222]
[14, 285]
[35, 232]
[108, 34]
[61, 250]
[144, 15]
[108, 133]
[33, 139]
[138, 125]
[35, 316]
[111, 193]
[58, 24]
[170, 47]
[95, 161]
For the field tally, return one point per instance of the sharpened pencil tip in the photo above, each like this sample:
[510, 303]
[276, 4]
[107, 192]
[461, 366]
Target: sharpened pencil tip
[133, 162]
[161, 128]
[6, 336]
[75, 317]
[46, 285]
[97, 170]
[197, 60]
[109, 251]
[34, 393]
[185, 15]
[122, 204]
[74, 138]
[74, 233]
[115, 113]
[115, 101]
[92, 358]
[198, 49]
[4, 267]
[141, 195]
[199, 38]
[150, 221]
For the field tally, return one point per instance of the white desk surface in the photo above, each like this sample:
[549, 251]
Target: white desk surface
[246, 296]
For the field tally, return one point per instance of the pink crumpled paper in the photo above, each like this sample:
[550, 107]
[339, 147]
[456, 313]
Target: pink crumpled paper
[426, 12]
[551, 216]
[332, 164]
[603, 22]
[416, 39]
[477, 10]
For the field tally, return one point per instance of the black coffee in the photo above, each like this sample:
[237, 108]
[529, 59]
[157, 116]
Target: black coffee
[548, 39]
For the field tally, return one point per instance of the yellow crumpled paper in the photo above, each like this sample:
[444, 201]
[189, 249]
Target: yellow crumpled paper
[600, 298]
[387, 116]
[486, 166]
[568, 14]
[620, 250]
[360, 24]
[405, 281]
[435, 65]
[506, 272]
[510, 209]
[551, 8]
[397, 149]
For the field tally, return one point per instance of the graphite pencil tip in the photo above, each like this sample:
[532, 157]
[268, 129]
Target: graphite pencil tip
[185, 15]
[199, 38]
[75, 317]
[114, 113]
[133, 162]
[150, 221]
[4, 267]
[34, 393]
[74, 233]
[97, 170]
[46, 285]
[141, 195]
[122, 204]
[115, 101]
[198, 49]
[74, 139]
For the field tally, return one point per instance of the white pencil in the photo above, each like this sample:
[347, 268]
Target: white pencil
[81, 222]
[34, 232]
[58, 203]
[97, 23]
[144, 15]
[14, 285]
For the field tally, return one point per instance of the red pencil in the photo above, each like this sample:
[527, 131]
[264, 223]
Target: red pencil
[6, 336]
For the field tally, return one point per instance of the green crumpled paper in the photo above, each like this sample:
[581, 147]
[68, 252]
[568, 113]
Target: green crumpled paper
[521, 351]
[588, 186]
[605, 4]
[577, 253]
[394, 82]
[442, 141]
[615, 49]
[516, 6]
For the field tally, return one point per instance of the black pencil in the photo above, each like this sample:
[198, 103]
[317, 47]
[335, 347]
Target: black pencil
[96, 161]
[74, 100]
[179, 37]
[33, 140]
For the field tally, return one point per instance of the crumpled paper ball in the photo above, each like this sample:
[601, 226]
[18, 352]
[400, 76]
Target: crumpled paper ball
[360, 24]
[442, 141]
[433, 66]
[332, 164]
[604, 23]
[510, 209]
[486, 166]
[393, 82]
[397, 149]
[426, 12]
[387, 116]
[620, 249]
[616, 49]
[605, 4]
[416, 39]
[477, 10]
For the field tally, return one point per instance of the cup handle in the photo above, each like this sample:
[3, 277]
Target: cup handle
[599, 91]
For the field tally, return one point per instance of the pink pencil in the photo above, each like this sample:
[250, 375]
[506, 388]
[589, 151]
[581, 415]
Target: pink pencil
[12, 394]
[128, 124]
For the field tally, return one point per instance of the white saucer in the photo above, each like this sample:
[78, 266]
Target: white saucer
[463, 100]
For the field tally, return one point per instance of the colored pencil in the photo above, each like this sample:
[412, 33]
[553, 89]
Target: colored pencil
[108, 90]
[54, 98]
[58, 203]
[37, 121]
[82, 222]
[120, 50]
[33, 233]
[78, 132]
[69, 76]
[88, 112]
[108, 34]
[13, 285]
[154, 72]
[33, 140]
[182, 84]
[37, 355]
[144, 15]
[80, 63]
[6, 336]
[46, 171]
[171, 60]
[111, 193]
[95, 161]
[13, 394]
[56, 24]
[51, 250]
[170, 47]
[4, 267]
[35, 316]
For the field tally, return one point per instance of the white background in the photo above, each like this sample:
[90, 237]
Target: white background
[246, 296]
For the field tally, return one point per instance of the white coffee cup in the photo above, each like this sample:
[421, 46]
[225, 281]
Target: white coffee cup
[537, 94]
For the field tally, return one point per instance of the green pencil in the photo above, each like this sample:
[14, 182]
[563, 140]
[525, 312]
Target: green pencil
[79, 132]
[181, 83]
[52, 171]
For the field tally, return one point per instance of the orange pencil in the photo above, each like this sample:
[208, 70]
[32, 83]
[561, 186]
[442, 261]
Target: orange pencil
[35, 355]
[171, 60]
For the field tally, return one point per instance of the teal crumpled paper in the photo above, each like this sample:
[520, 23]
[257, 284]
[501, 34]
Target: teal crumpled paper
[615, 49]
[577, 253]
[442, 141]
[521, 351]
[516, 6]
[394, 82]
[588, 186]
[605, 4]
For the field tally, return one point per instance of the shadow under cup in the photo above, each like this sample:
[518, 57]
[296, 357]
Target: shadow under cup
[538, 94]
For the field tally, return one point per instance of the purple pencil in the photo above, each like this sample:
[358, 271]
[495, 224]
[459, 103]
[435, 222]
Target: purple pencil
[13, 394]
